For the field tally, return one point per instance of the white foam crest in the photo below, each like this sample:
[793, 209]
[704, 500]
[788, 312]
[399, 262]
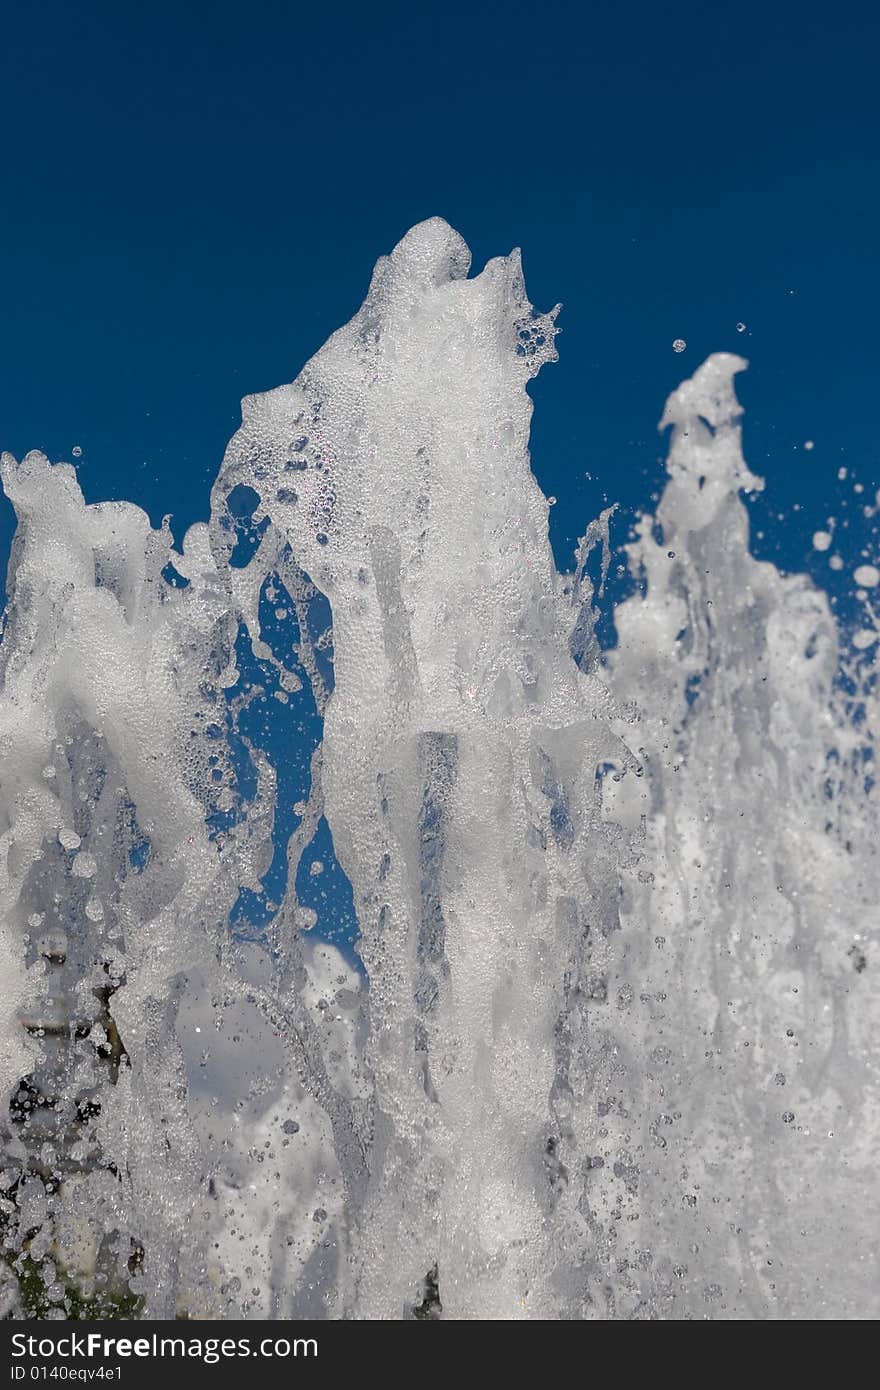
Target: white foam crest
[396, 467]
[104, 665]
[748, 914]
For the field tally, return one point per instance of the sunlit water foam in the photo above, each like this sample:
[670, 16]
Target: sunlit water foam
[618, 1054]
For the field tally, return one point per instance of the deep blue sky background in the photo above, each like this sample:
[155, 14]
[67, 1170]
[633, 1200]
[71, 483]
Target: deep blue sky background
[193, 197]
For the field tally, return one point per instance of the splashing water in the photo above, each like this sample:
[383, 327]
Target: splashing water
[612, 1051]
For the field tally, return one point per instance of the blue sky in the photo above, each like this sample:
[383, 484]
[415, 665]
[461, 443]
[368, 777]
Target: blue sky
[193, 197]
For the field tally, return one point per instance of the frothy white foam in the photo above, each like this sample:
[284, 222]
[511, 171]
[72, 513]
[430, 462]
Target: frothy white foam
[615, 1058]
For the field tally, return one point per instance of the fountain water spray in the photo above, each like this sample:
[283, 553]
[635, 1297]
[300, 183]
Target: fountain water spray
[610, 1054]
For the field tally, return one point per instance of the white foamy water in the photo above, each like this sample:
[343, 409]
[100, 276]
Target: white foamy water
[613, 1053]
